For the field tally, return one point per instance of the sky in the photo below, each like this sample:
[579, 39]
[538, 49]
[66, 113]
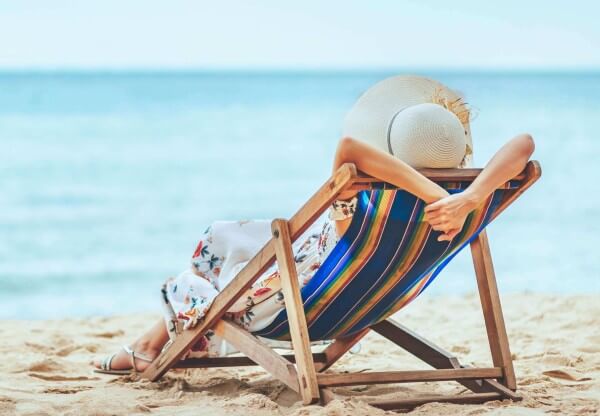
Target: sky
[307, 34]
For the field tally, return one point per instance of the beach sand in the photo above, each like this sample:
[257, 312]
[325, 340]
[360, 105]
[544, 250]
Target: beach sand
[555, 341]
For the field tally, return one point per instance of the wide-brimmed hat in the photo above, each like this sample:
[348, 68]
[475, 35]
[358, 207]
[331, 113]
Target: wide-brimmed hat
[417, 119]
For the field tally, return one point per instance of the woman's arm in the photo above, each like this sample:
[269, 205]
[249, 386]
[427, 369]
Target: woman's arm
[448, 214]
[386, 167]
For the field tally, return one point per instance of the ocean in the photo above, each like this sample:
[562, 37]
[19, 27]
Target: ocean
[107, 179]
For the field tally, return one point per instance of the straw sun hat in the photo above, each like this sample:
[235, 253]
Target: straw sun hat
[418, 120]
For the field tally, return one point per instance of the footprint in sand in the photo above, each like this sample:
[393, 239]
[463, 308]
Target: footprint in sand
[38, 347]
[6, 400]
[557, 359]
[67, 390]
[7, 405]
[63, 352]
[45, 366]
[590, 345]
[219, 386]
[41, 368]
[59, 341]
[253, 401]
[108, 334]
[57, 377]
[460, 349]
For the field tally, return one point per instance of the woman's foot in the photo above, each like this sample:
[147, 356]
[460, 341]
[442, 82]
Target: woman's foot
[129, 359]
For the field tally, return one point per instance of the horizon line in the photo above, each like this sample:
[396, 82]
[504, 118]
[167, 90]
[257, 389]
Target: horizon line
[292, 70]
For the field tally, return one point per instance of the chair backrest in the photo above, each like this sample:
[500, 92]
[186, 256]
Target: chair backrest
[386, 258]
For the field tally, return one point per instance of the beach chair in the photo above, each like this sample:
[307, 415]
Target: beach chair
[387, 258]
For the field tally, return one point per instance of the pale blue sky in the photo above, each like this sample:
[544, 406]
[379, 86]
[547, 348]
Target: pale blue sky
[114, 34]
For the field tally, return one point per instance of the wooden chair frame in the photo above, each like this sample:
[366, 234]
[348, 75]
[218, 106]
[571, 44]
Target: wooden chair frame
[303, 371]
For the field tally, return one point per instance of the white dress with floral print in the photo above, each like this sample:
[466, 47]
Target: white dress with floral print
[222, 252]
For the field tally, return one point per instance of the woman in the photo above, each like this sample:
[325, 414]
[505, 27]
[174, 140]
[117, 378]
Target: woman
[399, 124]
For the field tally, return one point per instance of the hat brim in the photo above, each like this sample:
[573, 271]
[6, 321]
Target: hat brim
[370, 117]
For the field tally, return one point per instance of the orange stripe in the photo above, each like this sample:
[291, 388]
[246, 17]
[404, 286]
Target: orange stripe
[477, 219]
[415, 247]
[364, 254]
[478, 216]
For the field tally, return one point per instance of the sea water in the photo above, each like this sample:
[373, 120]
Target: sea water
[107, 180]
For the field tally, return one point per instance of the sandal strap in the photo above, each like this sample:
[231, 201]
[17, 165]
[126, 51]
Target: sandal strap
[134, 355]
[105, 364]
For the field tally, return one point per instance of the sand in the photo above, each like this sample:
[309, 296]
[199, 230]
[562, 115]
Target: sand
[555, 341]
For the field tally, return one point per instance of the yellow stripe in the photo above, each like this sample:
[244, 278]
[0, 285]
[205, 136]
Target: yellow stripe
[362, 257]
[415, 246]
[408, 261]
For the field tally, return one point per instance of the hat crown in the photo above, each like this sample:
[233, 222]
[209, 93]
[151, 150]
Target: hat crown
[427, 135]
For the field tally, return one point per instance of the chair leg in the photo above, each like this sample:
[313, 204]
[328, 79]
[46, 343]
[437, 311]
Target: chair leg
[307, 377]
[492, 309]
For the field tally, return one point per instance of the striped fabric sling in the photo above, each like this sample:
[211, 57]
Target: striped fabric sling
[386, 258]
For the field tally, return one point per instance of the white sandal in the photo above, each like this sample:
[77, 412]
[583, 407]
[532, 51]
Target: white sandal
[105, 364]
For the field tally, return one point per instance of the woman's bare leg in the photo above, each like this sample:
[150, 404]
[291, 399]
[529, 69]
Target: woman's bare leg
[149, 344]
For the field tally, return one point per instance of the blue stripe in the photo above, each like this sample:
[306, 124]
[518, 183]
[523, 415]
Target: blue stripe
[434, 257]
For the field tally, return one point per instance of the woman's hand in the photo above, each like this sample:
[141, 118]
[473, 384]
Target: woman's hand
[448, 215]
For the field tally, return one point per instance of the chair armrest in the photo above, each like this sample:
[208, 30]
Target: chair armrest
[531, 171]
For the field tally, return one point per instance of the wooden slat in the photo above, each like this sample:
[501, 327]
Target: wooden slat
[530, 174]
[383, 377]
[213, 362]
[338, 348]
[492, 309]
[258, 352]
[305, 366]
[461, 174]
[418, 401]
[441, 175]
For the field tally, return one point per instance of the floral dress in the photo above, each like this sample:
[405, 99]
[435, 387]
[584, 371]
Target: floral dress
[224, 249]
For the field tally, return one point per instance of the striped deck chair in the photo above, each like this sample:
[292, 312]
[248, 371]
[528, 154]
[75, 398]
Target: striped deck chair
[387, 257]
